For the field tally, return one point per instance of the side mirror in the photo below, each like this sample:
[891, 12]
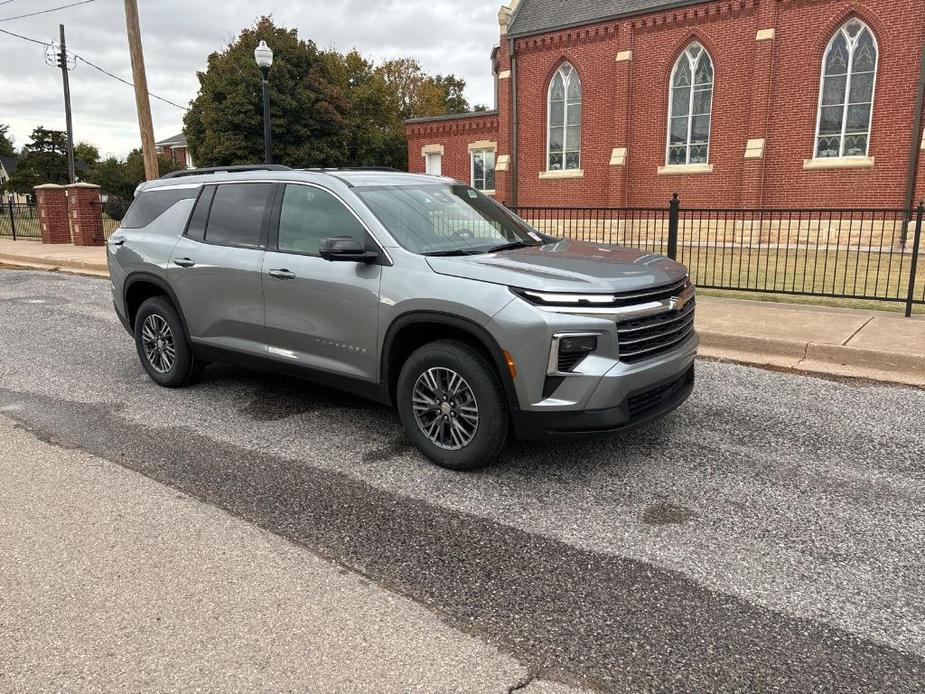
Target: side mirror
[345, 249]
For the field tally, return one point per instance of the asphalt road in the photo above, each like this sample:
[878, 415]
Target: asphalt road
[766, 537]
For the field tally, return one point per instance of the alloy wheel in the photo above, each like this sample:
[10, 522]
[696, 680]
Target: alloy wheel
[445, 408]
[158, 343]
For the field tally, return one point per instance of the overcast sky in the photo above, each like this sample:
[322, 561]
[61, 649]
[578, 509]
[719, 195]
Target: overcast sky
[444, 35]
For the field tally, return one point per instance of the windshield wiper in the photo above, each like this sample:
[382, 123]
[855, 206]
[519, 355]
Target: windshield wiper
[510, 246]
[446, 254]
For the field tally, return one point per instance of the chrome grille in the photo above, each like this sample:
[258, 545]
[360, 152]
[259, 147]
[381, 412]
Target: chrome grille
[648, 337]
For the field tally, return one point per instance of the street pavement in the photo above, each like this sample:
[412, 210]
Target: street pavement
[113, 582]
[765, 537]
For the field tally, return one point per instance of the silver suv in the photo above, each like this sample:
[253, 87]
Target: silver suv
[416, 291]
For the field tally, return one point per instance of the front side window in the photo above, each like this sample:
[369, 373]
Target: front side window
[446, 219]
[564, 144]
[846, 95]
[483, 169]
[237, 213]
[310, 214]
[690, 104]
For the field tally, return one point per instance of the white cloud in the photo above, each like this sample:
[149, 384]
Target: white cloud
[179, 35]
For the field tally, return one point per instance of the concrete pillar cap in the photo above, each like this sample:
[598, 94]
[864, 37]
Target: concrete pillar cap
[82, 185]
[49, 186]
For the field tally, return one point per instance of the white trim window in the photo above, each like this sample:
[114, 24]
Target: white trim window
[563, 149]
[690, 104]
[483, 169]
[846, 92]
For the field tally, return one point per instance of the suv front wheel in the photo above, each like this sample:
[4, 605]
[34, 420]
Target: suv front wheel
[452, 406]
[162, 346]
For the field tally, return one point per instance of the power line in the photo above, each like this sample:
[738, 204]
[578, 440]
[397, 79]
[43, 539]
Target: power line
[24, 38]
[51, 9]
[130, 84]
[95, 67]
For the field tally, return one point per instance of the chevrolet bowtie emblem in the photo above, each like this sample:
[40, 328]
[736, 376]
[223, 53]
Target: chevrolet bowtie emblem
[676, 303]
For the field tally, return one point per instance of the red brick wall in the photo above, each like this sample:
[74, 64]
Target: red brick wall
[53, 214]
[455, 135]
[85, 212]
[763, 89]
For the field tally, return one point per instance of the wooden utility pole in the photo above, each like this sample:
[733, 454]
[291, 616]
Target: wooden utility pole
[141, 89]
[62, 62]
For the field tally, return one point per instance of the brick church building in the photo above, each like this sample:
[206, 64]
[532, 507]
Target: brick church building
[731, 103]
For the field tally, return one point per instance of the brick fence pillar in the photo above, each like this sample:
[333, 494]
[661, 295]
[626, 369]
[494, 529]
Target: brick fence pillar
[52, 205]
[86, 214]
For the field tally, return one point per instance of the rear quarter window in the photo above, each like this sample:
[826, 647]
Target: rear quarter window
[151, 204]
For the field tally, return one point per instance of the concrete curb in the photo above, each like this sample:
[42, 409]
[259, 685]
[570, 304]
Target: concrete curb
[70, 266]
[814, 357]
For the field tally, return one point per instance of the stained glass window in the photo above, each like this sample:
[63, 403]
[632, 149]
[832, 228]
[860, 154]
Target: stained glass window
[846, 95]
[564, 144]
[690, 107]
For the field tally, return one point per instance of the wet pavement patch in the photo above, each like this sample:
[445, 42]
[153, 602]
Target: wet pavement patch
[665, 513]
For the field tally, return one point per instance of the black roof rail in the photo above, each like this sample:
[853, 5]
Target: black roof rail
[226, 169]
[324, 169]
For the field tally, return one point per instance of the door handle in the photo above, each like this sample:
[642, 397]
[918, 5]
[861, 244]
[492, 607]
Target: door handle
[282, 274]
[117, 241]
[184, 262]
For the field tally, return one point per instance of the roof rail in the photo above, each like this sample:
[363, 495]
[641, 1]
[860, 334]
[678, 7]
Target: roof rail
[324, 169]
[226, 169]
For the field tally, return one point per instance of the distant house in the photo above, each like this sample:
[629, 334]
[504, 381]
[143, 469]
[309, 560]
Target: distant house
[7, 168]
[175, 148]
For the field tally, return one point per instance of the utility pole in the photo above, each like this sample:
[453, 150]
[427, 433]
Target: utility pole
[141, 89]
[62, 63]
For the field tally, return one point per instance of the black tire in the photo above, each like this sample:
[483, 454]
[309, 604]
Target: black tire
[183, 368]
[491, 431]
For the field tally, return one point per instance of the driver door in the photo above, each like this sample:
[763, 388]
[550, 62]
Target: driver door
[319, 314]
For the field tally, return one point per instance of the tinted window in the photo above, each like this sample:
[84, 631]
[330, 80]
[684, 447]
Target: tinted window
[237, 213]
[152, 204]
[311, 214]
[197, 223]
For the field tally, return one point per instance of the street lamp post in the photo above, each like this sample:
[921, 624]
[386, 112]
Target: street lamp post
[264, 57]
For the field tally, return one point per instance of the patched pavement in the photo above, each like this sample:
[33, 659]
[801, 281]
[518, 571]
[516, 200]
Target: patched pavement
[765, 537]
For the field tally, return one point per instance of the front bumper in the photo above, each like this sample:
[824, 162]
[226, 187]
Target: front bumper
[639, 407]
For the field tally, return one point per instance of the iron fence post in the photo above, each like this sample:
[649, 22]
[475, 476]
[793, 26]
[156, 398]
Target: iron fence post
[673, 208]
[916, 246]
[12, 220]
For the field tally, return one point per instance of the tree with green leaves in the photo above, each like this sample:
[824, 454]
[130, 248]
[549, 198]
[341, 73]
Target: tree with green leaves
[6, 141]
[87, 153]
[327, 108]
[308, 111]
[119, 179]
[43, 160]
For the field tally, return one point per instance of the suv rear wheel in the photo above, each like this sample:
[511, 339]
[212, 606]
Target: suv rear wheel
[162, 346]
[452, 406]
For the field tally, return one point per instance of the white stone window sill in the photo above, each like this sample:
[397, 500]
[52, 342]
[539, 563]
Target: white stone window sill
[486, 192]
[566, 173]
[685, 169]
[838, 163]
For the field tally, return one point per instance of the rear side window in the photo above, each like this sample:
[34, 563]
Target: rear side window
[197, 223]
[151, 204]
[237, 214]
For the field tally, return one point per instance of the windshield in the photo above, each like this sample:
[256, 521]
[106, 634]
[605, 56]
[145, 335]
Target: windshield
[447, 219]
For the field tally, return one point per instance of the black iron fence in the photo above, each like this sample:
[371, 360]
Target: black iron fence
[864, 254]
[112, 211]
[19, 220]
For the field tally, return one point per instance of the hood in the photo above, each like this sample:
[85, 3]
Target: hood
[566, 266]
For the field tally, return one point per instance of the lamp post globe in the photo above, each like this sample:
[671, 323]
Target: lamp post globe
[263, 55]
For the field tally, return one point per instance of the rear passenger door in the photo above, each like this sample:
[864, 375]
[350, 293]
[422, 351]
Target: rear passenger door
[215, 268]
[320, 314]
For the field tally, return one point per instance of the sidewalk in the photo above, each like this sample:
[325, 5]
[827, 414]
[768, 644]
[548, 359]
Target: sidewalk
[876, 345]
[111, 581]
